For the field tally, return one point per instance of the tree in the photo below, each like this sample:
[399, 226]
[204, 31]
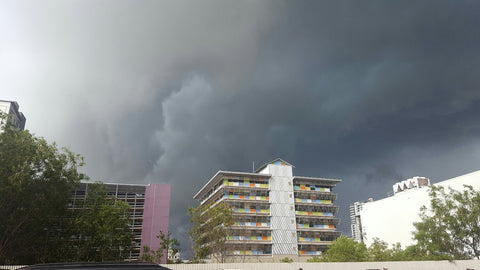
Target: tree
[36, 181]
[209, 231]
[101, 228]
[167, 244]
[173, 247]
[450, 229]
[378, 251]
[346, 250]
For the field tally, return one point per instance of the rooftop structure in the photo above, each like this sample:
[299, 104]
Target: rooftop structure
[275, 213]
[411, 183]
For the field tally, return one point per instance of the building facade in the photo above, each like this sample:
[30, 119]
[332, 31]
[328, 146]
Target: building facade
[275, 212]
[149, 210]
[16, 117]
[391, 219]
[356, 221]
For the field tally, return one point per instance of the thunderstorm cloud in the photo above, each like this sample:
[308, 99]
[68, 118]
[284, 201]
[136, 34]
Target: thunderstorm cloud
[173, 91]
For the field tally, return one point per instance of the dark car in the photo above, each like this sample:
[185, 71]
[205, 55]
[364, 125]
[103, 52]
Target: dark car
[94, 266]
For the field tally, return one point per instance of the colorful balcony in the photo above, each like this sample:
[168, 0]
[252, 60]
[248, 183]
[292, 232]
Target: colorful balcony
[245, 183]
[309, 239]
[249, 238]
[243, 210]
[211, 194]
[252, 224]
[306, 213]
[246, 197]
[316, 226]
[312, 253]
[248, 252]
[311, 188]
[312, 201]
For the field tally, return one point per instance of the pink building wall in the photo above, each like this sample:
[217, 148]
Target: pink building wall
[156, 215]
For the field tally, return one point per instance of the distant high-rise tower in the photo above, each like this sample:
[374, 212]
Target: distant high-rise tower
[11, 108]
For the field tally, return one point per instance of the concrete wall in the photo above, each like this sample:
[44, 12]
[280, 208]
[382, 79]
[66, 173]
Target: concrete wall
[391, 219]
[424, 265]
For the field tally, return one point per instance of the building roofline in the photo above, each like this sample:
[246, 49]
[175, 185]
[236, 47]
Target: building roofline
[325, 181]
[270, 162]
[105, 183]
[318, 178]
[215, 177]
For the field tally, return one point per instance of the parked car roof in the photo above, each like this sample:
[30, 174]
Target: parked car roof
[94, 266]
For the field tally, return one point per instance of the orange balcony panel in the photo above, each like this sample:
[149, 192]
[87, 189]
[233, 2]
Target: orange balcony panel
[268, 198]
[252, 185]
[264, 237]
[242, 197]
[303, 252]
[259, 224]
[331, 227]
[310, 213]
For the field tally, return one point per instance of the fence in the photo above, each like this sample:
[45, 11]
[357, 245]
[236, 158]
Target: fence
[423, 265]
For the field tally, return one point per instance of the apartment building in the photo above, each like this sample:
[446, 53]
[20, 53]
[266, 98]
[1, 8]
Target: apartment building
[149, 210]
[16, 117]
[275, 213]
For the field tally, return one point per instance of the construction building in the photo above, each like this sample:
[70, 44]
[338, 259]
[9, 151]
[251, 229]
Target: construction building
[276, 214]
[149, 210]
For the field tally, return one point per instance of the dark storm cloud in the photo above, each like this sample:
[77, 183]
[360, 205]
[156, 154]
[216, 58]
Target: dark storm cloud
[171, 92]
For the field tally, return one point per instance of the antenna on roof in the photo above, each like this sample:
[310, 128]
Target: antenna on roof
[253, 168]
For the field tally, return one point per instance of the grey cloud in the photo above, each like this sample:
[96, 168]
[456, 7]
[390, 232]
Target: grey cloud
[173, 91]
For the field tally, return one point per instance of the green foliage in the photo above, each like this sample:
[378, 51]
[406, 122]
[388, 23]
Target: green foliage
[346, 250]
[286, 260]
[36, 181]
[315, 259]
[398, 254]
[378, 251]
[167, 242]
[209, 232]
[174, 248]
[451, 228]
[102, 228]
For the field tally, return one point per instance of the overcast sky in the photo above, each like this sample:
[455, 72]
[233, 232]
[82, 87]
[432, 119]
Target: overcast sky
[372, 92]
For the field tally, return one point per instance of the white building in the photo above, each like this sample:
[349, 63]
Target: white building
[391, 219]
[355, 220]
[11, 108]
